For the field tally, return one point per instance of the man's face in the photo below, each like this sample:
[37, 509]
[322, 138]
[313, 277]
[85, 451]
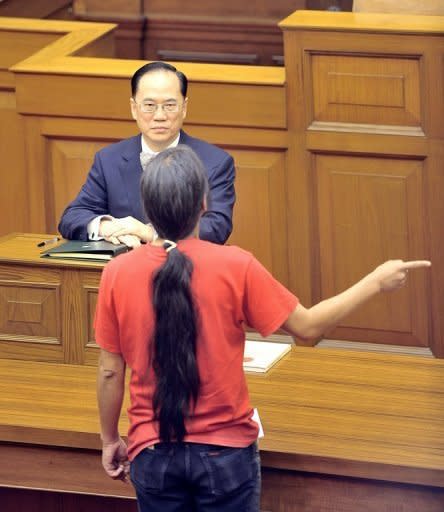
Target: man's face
[159, 128]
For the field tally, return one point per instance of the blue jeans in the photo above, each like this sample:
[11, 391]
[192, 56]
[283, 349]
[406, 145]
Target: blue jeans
[195, 477]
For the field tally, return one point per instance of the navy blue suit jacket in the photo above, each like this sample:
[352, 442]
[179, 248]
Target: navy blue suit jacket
[112, 187]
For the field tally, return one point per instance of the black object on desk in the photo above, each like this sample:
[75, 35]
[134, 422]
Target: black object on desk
[53, 240]
[81, 250]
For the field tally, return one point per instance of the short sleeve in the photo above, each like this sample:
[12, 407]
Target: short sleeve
[106, 324]
[267, 303]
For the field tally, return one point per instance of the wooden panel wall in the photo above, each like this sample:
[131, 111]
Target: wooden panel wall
[366, 134]
[216, 31]
[355, 180]
[20, 39]
[58, 9]
[14, 47]
[370, 210]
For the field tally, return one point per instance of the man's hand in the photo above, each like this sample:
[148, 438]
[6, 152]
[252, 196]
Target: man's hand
[132, 226]
[128, 231]
[392, 274]
[115, 459]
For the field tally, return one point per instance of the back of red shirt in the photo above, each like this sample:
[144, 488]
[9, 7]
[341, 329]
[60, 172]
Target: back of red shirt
[231, 290]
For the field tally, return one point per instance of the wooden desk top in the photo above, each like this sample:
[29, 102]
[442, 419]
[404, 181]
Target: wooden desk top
[364, 22]
[22, 248]
[75, 36]
[330, 411]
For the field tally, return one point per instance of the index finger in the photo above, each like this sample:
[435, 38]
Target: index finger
[407, 265]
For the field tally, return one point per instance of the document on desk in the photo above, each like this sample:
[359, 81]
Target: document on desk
[260, 356]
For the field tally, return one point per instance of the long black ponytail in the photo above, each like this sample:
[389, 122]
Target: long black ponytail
[174, 187]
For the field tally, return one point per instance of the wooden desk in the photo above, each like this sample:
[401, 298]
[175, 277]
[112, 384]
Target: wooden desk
[340, 425]
[46, 306]
[344, 431]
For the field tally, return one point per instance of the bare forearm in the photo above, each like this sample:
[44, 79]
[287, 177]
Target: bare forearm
[110, 392]
[329, 313]
[313, 322]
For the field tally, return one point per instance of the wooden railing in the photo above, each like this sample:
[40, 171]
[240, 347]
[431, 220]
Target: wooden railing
[342, 432]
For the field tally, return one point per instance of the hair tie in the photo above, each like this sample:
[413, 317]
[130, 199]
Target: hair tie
[171, 245]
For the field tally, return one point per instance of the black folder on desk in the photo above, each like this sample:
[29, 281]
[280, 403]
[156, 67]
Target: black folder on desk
[79, 250]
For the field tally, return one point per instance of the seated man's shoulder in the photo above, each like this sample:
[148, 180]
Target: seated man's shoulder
[121, 147]
[204, 149]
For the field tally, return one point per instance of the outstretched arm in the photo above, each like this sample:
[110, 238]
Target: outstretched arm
[310, 323]
[110, 392]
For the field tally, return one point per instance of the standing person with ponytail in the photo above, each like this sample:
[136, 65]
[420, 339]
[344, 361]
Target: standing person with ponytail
[174, 312]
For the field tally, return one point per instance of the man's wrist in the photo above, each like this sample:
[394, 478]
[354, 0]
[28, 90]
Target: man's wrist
[93, 227]
[104, 220]
[108, 440]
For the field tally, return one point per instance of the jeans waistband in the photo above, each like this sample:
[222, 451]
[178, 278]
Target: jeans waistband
[190, 443]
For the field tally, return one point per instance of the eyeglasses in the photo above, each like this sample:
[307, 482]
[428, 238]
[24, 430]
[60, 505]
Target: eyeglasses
[150, 108]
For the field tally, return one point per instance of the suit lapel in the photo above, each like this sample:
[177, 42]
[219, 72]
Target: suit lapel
[184, 138]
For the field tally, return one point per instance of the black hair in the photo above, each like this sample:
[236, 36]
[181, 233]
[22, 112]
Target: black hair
[174, 186]
[158, 66]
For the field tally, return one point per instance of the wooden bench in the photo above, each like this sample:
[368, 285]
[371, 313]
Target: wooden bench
[343, 429]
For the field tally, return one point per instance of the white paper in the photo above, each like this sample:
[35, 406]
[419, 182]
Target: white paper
[259, 356]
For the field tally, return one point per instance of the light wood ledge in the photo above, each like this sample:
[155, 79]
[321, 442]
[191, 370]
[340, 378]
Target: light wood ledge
[361, 415]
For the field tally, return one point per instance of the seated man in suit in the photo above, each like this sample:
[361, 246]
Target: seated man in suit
[109, 206]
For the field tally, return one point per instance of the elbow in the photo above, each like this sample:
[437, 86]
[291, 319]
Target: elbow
[311, 332]
[304, 336]
[308, 338]
[304, 326]
[307, 333]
